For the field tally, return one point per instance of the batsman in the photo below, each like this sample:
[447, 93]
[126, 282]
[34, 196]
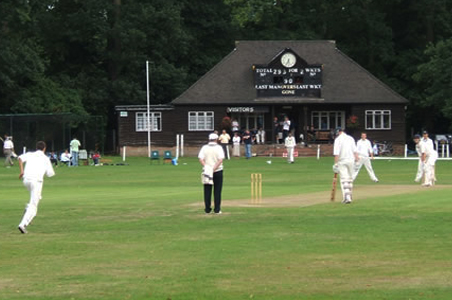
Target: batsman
[345, 156]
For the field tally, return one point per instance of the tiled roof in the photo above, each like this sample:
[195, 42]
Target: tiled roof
[231, 81]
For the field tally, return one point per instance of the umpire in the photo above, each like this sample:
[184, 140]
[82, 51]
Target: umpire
[211, 158]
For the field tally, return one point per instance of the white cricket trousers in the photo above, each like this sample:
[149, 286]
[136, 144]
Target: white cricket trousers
[35, 189]
[364, 160]
[420, 171]
[290, 151]
[429, 169]
[346, 170]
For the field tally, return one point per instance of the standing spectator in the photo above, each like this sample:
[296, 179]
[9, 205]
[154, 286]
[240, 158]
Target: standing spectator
[290, 146]
[236, 145]
[211, 158]
[286, 127]
[248, 141]
[74, 146]
[65, 158]
[224, 142]
[37, 164]
[344, 157]
[260, 136]
[8, 151]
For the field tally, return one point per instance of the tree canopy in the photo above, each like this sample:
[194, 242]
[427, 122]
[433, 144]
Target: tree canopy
[85, 57]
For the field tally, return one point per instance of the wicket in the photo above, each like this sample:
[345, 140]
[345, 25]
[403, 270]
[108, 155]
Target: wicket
[256, 188]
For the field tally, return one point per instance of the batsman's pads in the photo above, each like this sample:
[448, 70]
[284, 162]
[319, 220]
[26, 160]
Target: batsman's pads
[335, 168]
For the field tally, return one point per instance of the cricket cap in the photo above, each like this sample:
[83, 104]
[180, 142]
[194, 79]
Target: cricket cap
[213, 137]
[416, 136]
[425, 132]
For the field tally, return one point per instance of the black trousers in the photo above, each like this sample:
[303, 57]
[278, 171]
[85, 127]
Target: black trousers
[217, 187]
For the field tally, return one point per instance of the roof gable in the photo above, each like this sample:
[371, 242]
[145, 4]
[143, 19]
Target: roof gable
[231, 81]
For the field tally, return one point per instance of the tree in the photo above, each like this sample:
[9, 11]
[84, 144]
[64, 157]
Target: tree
[434, 76]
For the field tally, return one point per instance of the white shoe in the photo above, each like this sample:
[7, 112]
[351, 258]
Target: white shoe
[376, 180]
[218, 213]
[426, 185]
[22, 229]
[347, 200]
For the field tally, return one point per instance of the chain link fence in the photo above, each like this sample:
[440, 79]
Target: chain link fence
[57, 130]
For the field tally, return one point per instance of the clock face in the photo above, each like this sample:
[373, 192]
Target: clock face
[288, 60]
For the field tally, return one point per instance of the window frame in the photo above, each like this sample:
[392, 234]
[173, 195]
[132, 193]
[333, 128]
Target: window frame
[328, 114]
[375, 114]
[143, 116]
[205, 114]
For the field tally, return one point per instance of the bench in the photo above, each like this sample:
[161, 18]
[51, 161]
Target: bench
[322, 135]
[105, 161]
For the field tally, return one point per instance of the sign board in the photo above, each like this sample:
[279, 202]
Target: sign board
[277, 80]
[247, 109]
[123, 114]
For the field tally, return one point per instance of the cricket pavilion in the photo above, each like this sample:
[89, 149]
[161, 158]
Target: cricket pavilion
[311, 82]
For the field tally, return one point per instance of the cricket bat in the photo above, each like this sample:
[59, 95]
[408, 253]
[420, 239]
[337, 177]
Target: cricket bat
[333, 190]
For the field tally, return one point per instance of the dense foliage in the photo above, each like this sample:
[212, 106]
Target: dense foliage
[87, 56]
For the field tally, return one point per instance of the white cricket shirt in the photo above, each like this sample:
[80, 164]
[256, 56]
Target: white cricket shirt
[211, 154]
[37, 164]
[290, 141]
[364, 147]
[344, 147]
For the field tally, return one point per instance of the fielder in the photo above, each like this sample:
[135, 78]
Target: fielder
[37, 164]
[429, 143]
[290, 146]
[428, 157]
[364, 150]
[344, 157]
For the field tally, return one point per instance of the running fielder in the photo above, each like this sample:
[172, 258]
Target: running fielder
[344, 157]
[37, 164]
[364, 150]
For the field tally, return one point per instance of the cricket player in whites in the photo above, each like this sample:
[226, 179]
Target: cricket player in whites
[345, 156]
[420, 166]
[290, 146]
[429, 143]
[365, 154]
[428, 157]
[37, 164]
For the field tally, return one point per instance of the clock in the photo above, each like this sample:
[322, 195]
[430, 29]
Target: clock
[288, 60]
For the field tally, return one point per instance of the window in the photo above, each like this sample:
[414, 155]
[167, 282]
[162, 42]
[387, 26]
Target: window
[378, 119]
[249, 121]
[155, 120]
[326, 120]
[200, 120]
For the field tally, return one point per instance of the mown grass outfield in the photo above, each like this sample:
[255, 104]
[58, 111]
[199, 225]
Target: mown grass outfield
[139, 232]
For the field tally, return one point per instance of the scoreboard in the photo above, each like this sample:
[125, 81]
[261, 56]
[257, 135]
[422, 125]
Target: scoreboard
[288, 75]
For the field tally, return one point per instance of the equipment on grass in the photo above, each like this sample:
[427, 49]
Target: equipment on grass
[256, 188]
[333, 190]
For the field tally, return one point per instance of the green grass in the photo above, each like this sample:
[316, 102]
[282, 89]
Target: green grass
[132, 232]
